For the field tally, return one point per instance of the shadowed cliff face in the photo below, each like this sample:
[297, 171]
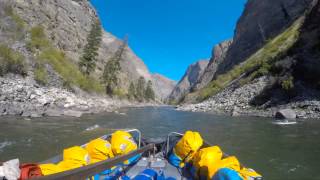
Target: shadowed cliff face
[260, 21]
[283, 74]
[307, 50]
[189, 79]
[218, 55]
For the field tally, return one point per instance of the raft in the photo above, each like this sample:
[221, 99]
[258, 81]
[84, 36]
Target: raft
[153, 158]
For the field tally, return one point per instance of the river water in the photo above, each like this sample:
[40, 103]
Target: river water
[276, 151]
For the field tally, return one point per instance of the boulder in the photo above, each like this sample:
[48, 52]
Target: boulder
[32, 114]
[72, 113]
[286, 114]
[235, 112]
[53, 112]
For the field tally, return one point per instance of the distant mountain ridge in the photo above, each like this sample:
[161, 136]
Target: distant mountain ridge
[218, 56]
[189, 79]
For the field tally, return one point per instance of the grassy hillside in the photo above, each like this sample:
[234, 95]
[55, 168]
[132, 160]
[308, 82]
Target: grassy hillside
[47, 54]
[257, 65]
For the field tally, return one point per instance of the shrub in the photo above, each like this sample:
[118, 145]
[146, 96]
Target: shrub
[41, 75]
[16, 18]
[11, 62]
[38, 39]
[120, 93]
[15, 27]
[68, 71]
[287, 84]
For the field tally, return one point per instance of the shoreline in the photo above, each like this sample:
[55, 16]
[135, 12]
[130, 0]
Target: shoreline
[24, 97]
[235, 101]
[268, 113]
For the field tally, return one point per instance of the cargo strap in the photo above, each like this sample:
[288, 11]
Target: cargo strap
[90, 170]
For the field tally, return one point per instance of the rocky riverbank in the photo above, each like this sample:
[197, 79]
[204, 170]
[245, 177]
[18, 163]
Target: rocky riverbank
[22, 96]
[235, 101]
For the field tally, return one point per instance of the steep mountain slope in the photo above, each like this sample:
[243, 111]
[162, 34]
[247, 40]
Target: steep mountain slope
[42, 43]
[189, 79]
[306, 52]
[218, 55]
[282, 74]
[163, 86]
[261, 21]
[67, 24]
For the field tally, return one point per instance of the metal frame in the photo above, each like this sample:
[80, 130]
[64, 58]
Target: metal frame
[92, 169]
[129, 131]
[168, 139]
[139, 135]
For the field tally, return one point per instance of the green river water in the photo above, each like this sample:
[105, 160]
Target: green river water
[275, 151]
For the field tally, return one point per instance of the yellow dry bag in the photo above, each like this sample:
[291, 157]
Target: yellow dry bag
[99, 150]
[48, 169]
[122, 143]
[205, 161]
[74, 157]
[187, 147]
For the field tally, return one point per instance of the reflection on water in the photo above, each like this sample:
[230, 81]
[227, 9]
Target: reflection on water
[276, 151]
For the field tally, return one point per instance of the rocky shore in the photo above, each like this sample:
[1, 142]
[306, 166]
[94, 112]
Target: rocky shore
[235, 101]
[22, 96]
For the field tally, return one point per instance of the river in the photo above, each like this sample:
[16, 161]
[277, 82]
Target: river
[277, 152]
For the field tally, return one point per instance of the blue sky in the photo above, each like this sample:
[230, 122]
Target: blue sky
[169, 35]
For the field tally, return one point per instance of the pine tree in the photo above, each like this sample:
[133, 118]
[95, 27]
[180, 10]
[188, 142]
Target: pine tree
[149, 93]
[132, 91]
[112, 69]
[88, 60]
[140, 89]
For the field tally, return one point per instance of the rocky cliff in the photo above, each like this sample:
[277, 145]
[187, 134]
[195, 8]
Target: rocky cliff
[190, 78]
[163, 86]
[306, 53]
[218, 55]
[67, 24]
[261, 21]
[43, 40]
[282, 74]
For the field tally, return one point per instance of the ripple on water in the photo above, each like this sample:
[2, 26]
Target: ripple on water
[284, 123]
[5, 144]
[91, 128]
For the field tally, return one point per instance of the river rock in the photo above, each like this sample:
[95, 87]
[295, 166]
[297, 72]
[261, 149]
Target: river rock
[53, 112]
[20, 97]
[286, 114]
[235, 112]
[32, 114]
[72, 113]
